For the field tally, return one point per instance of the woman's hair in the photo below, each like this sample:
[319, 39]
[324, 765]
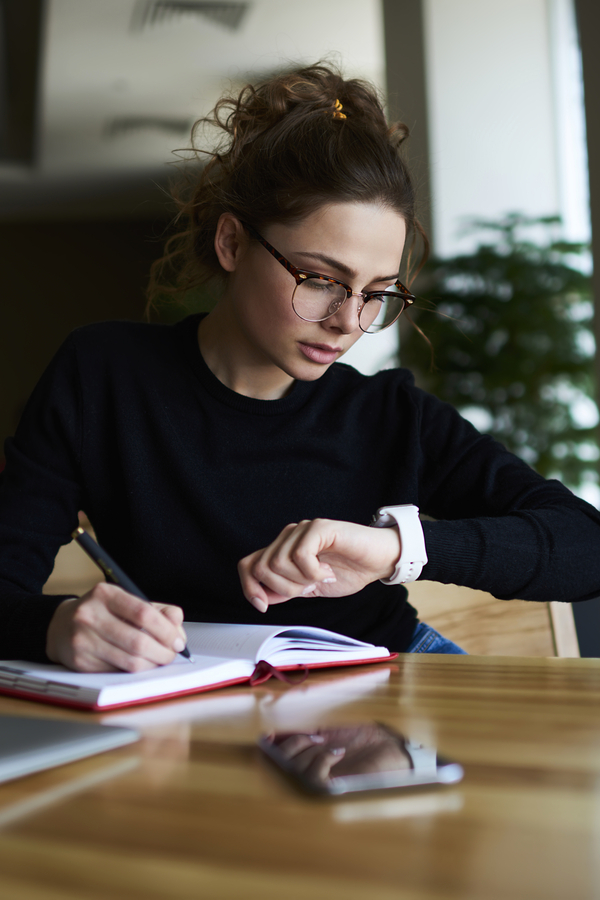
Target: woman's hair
[287, 146]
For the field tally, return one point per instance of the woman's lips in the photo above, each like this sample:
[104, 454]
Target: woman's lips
[320, 353]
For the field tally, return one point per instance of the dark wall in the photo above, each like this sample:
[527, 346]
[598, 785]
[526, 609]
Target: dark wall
[56, 276]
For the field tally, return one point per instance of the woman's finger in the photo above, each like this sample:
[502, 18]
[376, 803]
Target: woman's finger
[289, 567]
[117, 632]
[295, 554]
[109, 629]
[144, 617]
[258, 594]
[108, 657]
[175, 615]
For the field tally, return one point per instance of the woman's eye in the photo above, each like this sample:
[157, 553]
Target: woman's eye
[320, 285]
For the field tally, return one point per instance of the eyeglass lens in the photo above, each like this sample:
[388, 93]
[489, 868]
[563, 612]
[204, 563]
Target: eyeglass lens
[316, 299]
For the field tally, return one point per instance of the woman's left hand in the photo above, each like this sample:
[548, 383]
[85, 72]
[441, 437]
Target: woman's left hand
[318, 558]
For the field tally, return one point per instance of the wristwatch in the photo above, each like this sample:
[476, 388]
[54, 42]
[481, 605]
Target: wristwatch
[414, 555]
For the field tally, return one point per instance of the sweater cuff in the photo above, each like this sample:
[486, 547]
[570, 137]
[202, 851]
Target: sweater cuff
[496, 555]
[454, 553]
[26, 618]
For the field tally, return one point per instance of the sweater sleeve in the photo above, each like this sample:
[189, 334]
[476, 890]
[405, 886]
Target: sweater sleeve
[498, 525]
[40, 496]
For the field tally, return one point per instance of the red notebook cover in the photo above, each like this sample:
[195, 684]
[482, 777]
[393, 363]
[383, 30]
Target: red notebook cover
[259, 676]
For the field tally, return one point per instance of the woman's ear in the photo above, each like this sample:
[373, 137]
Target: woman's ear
[230, 241]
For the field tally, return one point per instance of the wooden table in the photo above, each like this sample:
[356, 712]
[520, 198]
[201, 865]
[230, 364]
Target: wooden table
[193, 811]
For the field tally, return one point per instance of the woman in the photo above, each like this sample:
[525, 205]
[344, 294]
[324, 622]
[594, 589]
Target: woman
[238, 438]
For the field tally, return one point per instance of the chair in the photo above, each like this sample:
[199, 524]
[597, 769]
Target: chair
[73, 573]
[484, 626]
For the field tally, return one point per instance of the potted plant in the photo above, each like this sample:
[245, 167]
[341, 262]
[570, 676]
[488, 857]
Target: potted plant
[511, 344]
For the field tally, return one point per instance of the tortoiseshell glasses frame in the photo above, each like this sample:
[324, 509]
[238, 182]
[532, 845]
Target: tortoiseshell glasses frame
[401, 295]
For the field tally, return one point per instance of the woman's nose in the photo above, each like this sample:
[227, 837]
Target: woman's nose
[346, 318]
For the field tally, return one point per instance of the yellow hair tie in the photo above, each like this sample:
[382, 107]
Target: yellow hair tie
[337, 113]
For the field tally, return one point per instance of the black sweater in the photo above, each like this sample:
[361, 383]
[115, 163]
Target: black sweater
[181, 477]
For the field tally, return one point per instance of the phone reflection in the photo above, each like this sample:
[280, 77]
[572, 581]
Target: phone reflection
[357, 758]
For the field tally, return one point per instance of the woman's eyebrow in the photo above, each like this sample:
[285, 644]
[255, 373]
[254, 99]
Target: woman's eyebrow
[341, 267]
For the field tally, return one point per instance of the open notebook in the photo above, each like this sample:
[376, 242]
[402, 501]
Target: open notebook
[221, 655]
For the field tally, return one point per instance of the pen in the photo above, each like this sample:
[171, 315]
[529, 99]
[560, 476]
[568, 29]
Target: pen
[113, 573]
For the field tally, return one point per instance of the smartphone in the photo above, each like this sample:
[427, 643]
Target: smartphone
[357, 758]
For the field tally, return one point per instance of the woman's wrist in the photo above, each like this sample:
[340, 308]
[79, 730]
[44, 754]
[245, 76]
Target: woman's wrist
[391, 544]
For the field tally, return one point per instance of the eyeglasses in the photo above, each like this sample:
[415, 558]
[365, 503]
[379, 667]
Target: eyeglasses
[318, 297]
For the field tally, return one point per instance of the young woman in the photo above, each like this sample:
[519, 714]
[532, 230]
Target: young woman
[230, 463]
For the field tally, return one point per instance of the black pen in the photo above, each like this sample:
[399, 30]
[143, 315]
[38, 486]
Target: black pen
[113, 573]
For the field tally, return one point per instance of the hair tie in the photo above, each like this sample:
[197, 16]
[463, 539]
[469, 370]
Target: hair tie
[337, 112]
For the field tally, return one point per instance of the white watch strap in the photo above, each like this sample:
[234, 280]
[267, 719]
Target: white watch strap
[413, 555]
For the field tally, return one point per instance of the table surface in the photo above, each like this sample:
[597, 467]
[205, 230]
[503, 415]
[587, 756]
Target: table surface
[193, 810]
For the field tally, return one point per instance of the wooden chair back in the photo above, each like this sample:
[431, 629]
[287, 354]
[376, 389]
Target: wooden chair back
[484, 626]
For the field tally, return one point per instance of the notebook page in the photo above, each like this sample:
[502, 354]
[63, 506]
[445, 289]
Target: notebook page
[233, 641]
[256, 642]
[298, 656]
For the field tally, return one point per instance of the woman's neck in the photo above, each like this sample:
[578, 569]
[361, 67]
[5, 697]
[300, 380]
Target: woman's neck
[237, 365]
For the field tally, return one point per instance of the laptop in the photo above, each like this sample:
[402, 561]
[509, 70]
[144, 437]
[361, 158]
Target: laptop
[31, 745]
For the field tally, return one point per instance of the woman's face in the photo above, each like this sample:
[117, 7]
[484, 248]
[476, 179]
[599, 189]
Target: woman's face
[358, 243]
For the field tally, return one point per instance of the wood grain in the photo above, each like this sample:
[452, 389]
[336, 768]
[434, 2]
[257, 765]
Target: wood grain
[199, 813]
[483, 625]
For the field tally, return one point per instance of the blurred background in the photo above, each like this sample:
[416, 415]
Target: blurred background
[96, 95]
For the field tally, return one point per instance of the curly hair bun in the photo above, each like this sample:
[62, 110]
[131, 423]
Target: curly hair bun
[285, 147]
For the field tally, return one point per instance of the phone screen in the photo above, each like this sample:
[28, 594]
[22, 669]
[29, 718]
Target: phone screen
[369, 757]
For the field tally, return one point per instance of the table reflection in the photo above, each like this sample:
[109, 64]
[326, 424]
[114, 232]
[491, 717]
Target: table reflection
[357, 758]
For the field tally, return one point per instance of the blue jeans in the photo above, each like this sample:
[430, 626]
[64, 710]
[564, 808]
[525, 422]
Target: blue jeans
[427, 640]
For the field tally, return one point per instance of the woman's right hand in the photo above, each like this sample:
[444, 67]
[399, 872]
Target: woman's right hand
[109, 630]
